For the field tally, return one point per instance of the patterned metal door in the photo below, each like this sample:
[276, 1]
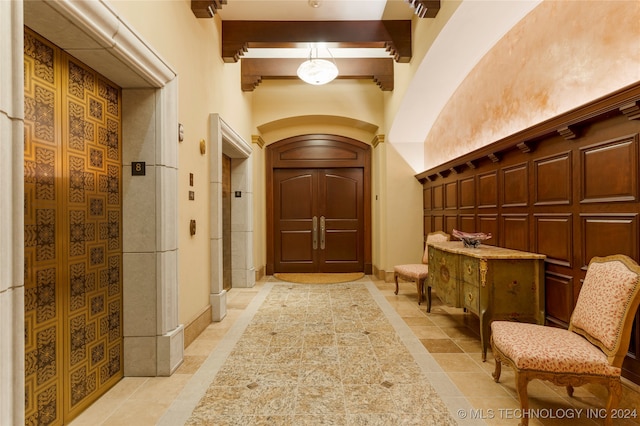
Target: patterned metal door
[73, 228]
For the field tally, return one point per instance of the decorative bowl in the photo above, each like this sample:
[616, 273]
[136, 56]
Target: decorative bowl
[471, 239]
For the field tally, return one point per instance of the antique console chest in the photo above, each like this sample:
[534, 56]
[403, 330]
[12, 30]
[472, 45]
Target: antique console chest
[493, 283]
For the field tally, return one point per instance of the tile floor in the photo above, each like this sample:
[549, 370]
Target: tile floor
[449, 335]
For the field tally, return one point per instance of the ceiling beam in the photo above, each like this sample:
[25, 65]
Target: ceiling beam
[206, 8]
[425, 8]
[238, 36]
[253, 71]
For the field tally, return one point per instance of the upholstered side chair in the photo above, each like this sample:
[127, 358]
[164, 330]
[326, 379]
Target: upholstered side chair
[419, 272]
[591, 350]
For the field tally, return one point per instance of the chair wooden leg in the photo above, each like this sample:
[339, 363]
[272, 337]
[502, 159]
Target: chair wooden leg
[419, 288]
[615, 393]
[395, 276]
[569, 390]
[496, 373]
[521, 386]
[428, 298]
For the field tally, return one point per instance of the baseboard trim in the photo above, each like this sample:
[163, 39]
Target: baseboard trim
[260, 273]
[383, 275]
[197, 325]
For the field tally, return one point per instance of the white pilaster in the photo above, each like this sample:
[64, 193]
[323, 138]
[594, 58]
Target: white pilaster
[11, 213]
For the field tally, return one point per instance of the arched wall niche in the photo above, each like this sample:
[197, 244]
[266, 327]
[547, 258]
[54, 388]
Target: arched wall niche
[327, 124]
[318, 151]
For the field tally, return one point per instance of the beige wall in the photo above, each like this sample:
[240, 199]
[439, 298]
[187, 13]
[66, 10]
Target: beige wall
[398, 209]
[561, 55]
[205, 85]
[359, 101]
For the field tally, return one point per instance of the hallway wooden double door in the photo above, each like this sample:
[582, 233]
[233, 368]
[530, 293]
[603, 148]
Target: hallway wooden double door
[72, 234]
[318, 204]
[319, 220]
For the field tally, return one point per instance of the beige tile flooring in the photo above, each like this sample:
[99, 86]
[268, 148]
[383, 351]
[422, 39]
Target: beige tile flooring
[450, 336]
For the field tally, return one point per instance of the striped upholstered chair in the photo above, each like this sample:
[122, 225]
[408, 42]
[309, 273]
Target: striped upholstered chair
[594, 346]
[419, 272]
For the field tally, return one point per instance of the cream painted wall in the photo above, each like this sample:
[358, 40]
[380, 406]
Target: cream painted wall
[235, 104]
[560, 56]
[274, 100]
[402, 203]
[398, 211]
[205, 85]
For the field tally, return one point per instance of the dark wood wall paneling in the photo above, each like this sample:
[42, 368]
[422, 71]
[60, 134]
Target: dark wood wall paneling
[567, 188]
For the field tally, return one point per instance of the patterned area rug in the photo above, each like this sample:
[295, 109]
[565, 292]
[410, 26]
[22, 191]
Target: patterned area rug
[320, 355]
[319, 278]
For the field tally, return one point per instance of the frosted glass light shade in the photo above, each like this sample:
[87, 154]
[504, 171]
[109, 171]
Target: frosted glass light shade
[317, 71]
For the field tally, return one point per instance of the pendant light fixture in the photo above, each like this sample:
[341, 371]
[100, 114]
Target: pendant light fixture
[317, 71]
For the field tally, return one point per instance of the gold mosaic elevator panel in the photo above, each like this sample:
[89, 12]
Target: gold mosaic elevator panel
[73, 234]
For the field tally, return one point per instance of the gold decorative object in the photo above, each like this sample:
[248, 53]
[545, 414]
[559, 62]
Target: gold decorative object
[203, 146]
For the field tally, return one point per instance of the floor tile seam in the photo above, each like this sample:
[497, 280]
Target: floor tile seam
[111, 413]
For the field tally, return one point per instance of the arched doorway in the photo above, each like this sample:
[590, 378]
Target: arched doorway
[318, 205]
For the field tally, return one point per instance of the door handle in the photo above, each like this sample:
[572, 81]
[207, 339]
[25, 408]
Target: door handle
[322, 229]
[315, 232]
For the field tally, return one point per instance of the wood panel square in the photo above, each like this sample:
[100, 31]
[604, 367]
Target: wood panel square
[468, 193]
[515, 229]
[515, 191]
[451, 195]
[552, 180]
[488, 190]
[603, 183]
[605, 235]
[554, 238]
[438, 197]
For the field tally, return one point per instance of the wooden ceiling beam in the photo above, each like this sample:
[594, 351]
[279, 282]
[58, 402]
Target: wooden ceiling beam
[253, 71]
[206, 8]
[238, 36]
[425, 8]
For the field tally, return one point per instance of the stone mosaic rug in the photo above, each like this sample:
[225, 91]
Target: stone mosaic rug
[320, 355]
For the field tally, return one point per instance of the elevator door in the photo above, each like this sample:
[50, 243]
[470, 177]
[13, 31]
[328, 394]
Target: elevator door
[319, 220]
[73, 231]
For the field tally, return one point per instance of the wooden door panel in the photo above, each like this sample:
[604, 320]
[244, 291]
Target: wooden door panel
[295, 191]
[296, 246]
[341, 191]
[334, 197]
[342, 168]
[342, 205]
[296, 194]
[342, 246]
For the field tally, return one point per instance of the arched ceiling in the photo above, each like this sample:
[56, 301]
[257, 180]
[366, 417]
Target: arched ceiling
[470, 33]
